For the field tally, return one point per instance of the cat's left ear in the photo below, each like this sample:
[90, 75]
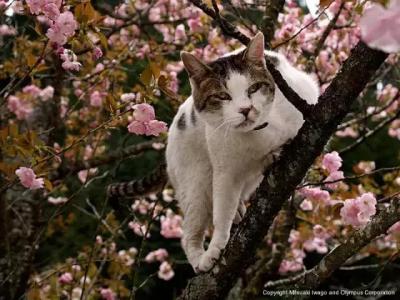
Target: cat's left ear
[255, 50]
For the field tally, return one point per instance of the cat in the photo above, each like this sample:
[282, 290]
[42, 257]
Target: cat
[224, 136]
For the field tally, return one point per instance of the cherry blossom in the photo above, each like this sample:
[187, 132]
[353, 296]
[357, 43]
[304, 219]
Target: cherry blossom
[294, 264]
[70, 61]
[47, 93]
[315, 244]
[171, 225]
[63, 28]
[336, 175]
[65, 278]
[379, 26]
[6, 30]
[32, 90]
[28, 178]
[128, 97]
[96, 98]
[143, 112]
[357, 212]
[19, 107]
[332, 161]
[107, 294]
[315, 194]
[165, 272]
[157, 255]
[138, 228]
[83, 175]
[97, 53]
[48, 7]
[306, 205]
[144, 123]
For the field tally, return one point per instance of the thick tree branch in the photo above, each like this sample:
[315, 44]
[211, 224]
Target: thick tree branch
[268, 266]
[284, 175]
[338, 256]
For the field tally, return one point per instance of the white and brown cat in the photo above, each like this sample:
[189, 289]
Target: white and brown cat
[224, 136]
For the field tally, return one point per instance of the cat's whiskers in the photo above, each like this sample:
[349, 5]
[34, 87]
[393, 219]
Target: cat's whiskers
[226, 122]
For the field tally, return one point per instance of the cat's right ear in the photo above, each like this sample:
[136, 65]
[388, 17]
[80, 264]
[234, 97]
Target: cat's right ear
[193, 65]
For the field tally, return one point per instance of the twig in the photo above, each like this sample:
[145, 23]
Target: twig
[377, 129]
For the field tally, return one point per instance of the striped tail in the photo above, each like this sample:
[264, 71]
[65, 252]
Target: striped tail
[153, 182]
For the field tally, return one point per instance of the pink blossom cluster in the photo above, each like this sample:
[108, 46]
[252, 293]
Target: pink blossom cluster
[394, 129]
[28, 178]
[6, 30]
[307, 30]
[96, 98]
[125, 258]
[65, 278]
[22, 109]
[318, 241]
[62, 25]
[365, 166]
[44, 94]
[171, 225]
[358, 212]
[157, 255]
[84, 174]
[347, 132]
[142, 206]
[70, 60]
[379, 26]
[294, 264]
[138, 229]
[165, 271]
[144, 121]
[332, 162]
[107, 294]
[315, 194]
[22, 105]
[3, 4]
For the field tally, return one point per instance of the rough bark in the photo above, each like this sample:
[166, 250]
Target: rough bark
[284, 175]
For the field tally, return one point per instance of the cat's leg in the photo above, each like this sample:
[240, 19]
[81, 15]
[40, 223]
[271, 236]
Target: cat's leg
[197, 217]
[249, 187]
[240, 211]
[226, 194]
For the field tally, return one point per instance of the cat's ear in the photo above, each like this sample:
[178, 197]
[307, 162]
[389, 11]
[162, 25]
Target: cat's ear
[193, 65]
[255, 49]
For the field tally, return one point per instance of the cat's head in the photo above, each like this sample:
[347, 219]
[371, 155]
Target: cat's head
[236, 90]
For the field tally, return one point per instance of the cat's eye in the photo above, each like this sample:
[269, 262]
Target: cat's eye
[255, 87]
[221, 96]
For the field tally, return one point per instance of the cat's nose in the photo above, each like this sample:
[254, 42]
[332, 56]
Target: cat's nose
[245, 111]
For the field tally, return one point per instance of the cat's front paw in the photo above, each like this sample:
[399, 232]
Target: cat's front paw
[208, 259]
